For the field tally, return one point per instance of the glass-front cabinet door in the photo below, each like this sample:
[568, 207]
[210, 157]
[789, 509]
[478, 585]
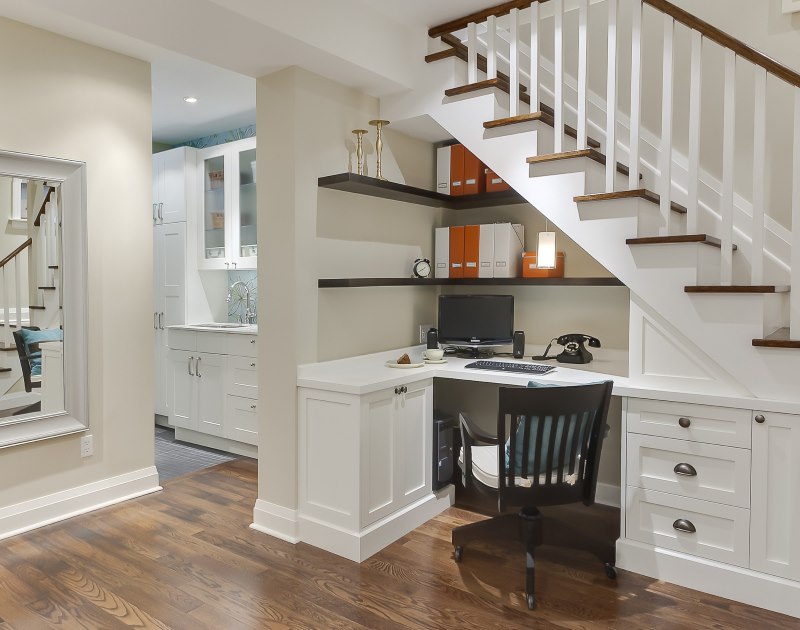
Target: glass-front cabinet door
[227, 174]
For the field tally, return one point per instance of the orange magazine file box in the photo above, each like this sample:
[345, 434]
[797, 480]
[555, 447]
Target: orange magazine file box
[530, 270]
[457, 252]
[494, 183]
[472, 239]
[474, 180]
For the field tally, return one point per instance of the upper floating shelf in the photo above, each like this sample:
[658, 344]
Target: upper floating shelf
[362, 185]
[334, 283]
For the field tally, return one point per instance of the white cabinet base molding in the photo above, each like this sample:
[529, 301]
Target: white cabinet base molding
[216, 442]
[275, 520]
[724, 580]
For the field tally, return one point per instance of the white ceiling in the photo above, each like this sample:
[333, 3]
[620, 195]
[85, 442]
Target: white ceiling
[213, 49]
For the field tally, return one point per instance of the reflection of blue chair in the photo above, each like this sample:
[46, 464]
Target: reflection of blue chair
[546, 451]
[26, 353]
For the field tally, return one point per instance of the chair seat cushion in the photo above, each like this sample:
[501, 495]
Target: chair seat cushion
[31, 337]
[485, 469]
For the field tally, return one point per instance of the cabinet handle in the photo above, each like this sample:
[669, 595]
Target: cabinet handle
[684, 525]
[189, 369]
[684, 422]
[396, 390]
[404, 389]
[155, 215]
[252, 365]
[252, 406]
[161, 321]
[197, 368]
[760, 419]
[227, 265]
[252, 341]
[161, 211]
[685, 469]
[155, 321]
[234, 265]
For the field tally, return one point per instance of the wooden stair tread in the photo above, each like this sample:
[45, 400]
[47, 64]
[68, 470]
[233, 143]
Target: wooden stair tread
[462, 53]
[592, 154]
[779, 339]
[705, 239]
[8, 349]
[545, 117]
[36, 307]
[5, 369]
[737, 288]
[48, 288]
[52, 266]
[480, 85]
[442, 54]
[38, 220]
[641, 193]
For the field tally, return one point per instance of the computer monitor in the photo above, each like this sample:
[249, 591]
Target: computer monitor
[476, 320]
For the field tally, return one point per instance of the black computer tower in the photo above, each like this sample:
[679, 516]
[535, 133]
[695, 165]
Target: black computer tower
[442, 453]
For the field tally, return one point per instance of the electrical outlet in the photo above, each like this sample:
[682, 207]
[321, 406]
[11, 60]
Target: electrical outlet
[87, 446]
[423, 332]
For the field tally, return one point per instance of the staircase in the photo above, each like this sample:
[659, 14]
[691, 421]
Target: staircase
[666, 209]
[30, 287]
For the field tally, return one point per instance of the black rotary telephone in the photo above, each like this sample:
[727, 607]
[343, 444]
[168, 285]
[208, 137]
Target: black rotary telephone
[574, 351]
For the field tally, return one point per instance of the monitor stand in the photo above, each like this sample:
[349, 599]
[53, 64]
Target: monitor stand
[474, 352]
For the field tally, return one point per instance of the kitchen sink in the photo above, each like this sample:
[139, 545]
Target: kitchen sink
[226, 325]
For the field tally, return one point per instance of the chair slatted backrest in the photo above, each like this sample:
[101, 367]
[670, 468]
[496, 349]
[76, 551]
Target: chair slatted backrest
[554, 442]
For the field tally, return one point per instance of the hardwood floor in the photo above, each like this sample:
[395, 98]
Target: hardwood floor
[186, 558]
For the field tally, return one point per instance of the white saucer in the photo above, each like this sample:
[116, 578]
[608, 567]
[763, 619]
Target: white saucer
[434, 362]
[393, 364]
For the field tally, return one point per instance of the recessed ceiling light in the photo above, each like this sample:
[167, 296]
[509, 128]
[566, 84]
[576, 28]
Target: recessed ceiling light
[190, 99]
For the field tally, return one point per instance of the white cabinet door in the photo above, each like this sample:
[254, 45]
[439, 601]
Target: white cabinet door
[414, 442]
[775, 503]
[181, 386]
[171, 181]
[210, 376]
[169, 286]
[244, 248]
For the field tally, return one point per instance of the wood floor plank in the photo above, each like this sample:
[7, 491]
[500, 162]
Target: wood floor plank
[186, 558]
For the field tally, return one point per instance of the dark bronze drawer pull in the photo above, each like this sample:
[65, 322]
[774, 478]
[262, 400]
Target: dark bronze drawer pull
[684, 525]
[760, 419]
[685, 469]
[684, 422]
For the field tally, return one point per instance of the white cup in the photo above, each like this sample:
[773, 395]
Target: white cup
[434, 354]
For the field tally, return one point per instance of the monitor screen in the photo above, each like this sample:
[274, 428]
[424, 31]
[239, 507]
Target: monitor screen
[476, 319]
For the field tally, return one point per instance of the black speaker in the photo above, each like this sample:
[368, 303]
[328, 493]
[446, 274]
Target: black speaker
[433, 339]
[443, 454]
[519, 344]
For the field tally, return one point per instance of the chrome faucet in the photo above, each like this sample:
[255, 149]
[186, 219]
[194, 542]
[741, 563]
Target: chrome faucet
[249, 316]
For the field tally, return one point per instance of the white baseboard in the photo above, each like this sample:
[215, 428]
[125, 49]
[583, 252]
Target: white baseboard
[358, 546]
[51, 508]
[607, 494]
[275, 520]
[215, 442]
[724, 580]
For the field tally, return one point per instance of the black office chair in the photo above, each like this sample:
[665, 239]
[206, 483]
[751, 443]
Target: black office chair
[551, 458]
[26, 353]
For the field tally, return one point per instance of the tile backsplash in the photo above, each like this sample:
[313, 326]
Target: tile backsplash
[237, 305]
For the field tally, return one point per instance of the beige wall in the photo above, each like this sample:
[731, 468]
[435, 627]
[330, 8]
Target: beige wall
[65, 99]
[11, 236]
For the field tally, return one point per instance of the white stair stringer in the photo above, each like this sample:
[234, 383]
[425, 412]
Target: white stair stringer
[719, 327]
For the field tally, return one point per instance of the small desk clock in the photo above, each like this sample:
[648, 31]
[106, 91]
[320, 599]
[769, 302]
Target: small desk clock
[422, 268]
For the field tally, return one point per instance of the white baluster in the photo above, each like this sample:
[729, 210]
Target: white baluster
[794, 295]
[728, 148]
[472, 53]
[665, 165]
[636, 94]
[695, 111]
[513, 63]
[18, 291]
[583, 17]
[759, 174]
[611, 98]
[491, 47]
[558, 8]
[534, 88]
[6, 318]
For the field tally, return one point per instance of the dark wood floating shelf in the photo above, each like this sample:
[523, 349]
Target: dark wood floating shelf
[363, 185]
[339, 283]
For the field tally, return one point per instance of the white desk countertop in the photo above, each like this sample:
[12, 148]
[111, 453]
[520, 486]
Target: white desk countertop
[368, 373]
[249, 329]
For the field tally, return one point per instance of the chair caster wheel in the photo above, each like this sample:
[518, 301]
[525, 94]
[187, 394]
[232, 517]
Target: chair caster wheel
[531, 601]
[458, 552]
[611, 571]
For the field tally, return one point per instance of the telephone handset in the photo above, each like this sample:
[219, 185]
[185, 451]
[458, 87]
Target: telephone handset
[574, 349]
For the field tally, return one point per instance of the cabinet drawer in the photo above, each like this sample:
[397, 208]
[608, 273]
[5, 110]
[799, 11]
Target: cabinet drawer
[242, 345]
[242, 377]
[182, 339]
[721, 531]
[241, 419]
[714, 425]
[710, 472]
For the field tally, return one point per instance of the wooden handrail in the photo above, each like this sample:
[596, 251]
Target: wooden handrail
[39, 214]
[460, 51]
[727, 41]
[13, 254]
[479, 16]
[684, 17]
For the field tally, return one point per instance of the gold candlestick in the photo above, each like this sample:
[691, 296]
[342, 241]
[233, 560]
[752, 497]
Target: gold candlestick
[378, 124]
[360, 149]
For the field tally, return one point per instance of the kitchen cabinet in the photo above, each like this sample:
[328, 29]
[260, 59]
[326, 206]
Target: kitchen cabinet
[169, 299]
[227, 220]
[173, 184]
[775, 520]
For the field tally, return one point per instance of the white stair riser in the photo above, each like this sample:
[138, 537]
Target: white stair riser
[594, 172]
[646, 214]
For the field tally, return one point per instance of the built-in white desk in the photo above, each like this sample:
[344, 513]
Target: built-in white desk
[365, 433]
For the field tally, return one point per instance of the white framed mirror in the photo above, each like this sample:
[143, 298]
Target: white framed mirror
[43, 278]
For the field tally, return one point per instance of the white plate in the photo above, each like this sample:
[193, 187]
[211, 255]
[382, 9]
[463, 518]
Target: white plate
[432, 362]
[393, 364]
